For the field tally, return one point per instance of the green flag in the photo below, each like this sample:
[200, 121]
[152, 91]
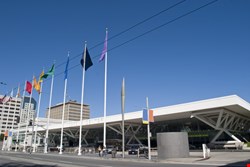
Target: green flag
[49, 73]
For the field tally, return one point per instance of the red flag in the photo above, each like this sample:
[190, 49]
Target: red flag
[28, 87]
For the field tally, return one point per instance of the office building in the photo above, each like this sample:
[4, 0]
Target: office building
[27, 113]
[72, 111]
[13, 111]
[9, 112]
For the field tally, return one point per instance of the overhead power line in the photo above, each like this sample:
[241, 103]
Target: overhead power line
[130, 28]
[143, 34]
[151, 30]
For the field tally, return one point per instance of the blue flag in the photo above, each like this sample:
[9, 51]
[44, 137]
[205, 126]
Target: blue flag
[145, 116]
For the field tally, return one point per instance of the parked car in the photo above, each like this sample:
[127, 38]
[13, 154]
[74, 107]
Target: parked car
[133, 149]
[109, 149]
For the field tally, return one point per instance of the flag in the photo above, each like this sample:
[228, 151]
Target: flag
[28, 87]
[40, 77]
[88, 60]
[36, 85]
[105, 47]
[151, 115]
[2, 99]
[10, 97]
[6, 133]
[145, 116]
[18, 91]
[66, 69]
[49, 73]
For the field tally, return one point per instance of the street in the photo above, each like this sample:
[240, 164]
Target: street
[19, 159]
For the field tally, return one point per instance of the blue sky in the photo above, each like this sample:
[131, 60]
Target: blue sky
[203, 55]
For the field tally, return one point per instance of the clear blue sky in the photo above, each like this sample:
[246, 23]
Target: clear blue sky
[203, 55]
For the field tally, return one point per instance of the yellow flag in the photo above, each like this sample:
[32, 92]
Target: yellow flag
[41, 75]
[36, 85]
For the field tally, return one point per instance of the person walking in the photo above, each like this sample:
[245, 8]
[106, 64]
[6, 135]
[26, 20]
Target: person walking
[99, 150]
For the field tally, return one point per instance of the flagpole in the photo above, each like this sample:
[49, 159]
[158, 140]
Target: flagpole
[64, 99]
[37, 115]
[27, 122]
[8, 101]
[20, 119]
[82, 96]
[47, 125]
[123, 108]
[105, 96]
[149, 133]
[14, 114]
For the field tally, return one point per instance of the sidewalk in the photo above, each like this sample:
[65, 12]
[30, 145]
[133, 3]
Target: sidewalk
[225, 158]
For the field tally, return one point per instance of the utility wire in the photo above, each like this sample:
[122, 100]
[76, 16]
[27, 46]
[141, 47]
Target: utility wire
[151, 30]
[160, 26]
[143, 34]
[130, 28]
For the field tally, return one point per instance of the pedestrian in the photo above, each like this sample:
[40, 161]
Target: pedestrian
[104, 151]
[99, 150]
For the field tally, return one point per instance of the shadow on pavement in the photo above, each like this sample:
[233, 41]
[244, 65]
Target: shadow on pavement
[238, 164]
[25, 165]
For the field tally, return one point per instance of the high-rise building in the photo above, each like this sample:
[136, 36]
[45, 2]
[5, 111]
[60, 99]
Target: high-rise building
[72, 111]
[26, 111]
[9, 112]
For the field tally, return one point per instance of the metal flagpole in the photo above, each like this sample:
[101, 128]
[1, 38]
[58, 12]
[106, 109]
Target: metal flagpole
[123, 108]
[149, 133]
[83, 78]
[38, 111]
[27, 119]
[64, 99]
[20, 119]
[14, 113]
[3, 146]
[9, 101]
[47, 125]
[105, 96]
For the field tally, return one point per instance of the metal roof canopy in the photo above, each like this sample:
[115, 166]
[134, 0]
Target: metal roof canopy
[232, 103]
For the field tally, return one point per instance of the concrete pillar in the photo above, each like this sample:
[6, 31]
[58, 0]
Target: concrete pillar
[172, 145]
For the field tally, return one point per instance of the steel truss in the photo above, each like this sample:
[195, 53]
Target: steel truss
[223, 120]
[130, 130]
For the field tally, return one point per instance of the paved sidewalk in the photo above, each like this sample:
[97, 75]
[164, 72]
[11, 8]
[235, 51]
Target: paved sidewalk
[225, 158]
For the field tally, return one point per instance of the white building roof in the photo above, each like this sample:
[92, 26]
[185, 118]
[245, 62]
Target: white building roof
[232, 103]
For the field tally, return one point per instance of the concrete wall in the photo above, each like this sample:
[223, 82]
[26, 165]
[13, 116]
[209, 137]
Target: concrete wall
[172, 145]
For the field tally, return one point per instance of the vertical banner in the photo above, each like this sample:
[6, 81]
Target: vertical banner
[151, 116]
[145, 116]
[6, 133]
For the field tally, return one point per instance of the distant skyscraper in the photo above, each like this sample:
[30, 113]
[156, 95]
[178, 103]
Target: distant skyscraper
[25, 109]
[72, 111]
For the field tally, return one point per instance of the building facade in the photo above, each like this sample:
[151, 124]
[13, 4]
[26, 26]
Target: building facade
[13, 111]
[26, 113]
[9, 113]
[72, 111]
